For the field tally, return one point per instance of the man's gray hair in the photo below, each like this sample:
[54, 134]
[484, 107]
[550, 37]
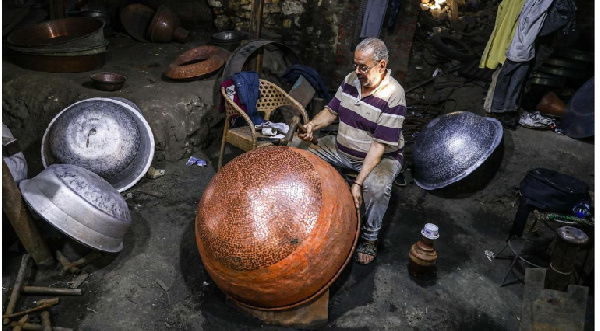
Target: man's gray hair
[380, 51]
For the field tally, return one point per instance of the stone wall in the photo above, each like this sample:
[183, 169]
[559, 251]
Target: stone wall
[323, 33]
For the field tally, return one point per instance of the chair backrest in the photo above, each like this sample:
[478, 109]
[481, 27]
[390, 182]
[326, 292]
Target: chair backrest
[271, 98]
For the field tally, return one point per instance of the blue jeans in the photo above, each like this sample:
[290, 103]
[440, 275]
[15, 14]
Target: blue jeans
[377, 187]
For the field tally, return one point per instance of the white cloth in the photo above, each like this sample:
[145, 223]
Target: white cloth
[17, 165]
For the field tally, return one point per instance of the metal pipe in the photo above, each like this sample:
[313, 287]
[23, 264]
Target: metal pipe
[20, 219]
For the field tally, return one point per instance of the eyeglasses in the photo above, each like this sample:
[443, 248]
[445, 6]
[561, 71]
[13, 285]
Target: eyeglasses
[363, 68]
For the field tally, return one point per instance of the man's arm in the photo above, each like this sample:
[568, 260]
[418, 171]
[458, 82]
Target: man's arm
[323, 119]
[372, 159]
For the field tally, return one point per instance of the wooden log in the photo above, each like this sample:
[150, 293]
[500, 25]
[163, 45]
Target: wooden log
[14, 296]
[20, 219]
[311, 314]
[50, 290]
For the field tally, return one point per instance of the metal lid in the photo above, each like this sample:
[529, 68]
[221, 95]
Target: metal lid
[108, 136]
[452, 146]
[80, 204]
[430, 231]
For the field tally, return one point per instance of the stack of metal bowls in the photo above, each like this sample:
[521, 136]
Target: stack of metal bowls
[566, 67]
[74, 44]
[108, 136]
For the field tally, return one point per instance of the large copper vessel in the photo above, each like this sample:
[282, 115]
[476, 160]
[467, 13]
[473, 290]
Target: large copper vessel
[275, 227]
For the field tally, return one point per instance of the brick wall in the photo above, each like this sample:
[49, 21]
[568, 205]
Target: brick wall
[323, 32]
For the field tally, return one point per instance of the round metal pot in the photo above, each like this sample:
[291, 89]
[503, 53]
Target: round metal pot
[273, 238]
[108, 136]
[66, 33]
[452, 146]
[165, 27]
[136, 19]
[80, 204]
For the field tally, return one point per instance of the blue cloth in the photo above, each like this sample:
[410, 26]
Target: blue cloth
[394, 10]
[246, 84]
[294, 71]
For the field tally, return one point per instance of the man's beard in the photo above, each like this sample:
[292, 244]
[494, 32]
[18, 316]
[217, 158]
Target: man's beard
[366, 82]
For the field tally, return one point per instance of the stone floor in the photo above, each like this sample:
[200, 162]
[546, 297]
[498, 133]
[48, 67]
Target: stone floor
[158, 282]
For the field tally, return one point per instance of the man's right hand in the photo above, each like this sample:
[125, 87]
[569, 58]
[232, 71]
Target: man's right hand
[306, 132]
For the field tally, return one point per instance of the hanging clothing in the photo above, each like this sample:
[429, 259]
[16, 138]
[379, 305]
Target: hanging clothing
[561, 15]
[509, 86]
[394, 9]
[506, 22]
[311, 75]
[373, 19]
[530, 23]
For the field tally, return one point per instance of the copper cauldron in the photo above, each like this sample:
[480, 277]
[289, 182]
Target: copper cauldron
[275, 227]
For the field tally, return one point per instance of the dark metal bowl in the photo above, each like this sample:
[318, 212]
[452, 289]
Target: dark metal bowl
[228, 36]
[108, 81]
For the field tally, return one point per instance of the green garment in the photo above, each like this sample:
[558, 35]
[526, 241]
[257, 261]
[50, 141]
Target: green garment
[506, 23]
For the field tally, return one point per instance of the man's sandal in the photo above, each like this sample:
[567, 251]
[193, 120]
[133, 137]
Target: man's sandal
[368, 248]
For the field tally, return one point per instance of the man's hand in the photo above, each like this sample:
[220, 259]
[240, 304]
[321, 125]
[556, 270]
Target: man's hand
[357, 195]
[307, 130]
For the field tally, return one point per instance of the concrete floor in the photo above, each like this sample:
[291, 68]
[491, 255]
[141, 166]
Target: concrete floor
[158, 282]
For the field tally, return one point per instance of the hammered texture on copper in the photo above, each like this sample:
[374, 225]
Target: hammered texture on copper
[260, 208]
[197, 62]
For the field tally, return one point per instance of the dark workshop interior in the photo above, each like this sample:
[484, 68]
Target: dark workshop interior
[158, 172]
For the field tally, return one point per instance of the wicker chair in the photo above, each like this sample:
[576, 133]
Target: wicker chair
[271, 97]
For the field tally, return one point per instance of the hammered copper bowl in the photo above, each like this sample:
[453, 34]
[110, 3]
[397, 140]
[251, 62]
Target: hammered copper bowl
[275, 227]
[108, 81]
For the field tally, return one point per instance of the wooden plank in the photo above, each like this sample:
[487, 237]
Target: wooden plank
[311, 314]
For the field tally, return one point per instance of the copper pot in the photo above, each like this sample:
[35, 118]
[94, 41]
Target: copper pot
[165, 27]
[197, 62]
[275, 227]
[551, 104]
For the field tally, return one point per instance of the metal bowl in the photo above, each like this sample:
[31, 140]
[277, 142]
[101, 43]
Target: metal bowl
[165, 27]
[108, 81]
[80, 204]
[228, 36]
[136, 19]
[452, 146]
[69, 33]
[108, 136]
[287, 237]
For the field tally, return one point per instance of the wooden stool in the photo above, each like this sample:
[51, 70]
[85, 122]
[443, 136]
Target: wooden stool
[311, 314]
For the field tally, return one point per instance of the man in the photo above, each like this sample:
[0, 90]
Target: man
[371, 108]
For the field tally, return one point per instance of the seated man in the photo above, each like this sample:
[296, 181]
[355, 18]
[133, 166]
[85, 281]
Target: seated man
[371, 107]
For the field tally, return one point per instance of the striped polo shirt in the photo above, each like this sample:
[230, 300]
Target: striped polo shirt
[377, 116]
